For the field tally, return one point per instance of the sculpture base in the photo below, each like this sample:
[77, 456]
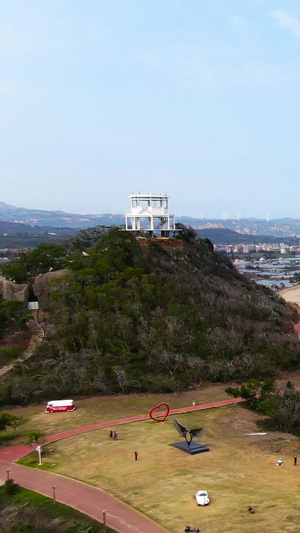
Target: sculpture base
[191, 449]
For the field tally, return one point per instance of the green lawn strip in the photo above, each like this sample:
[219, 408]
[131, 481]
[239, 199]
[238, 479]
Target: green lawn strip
[32, 512]
[238, 471]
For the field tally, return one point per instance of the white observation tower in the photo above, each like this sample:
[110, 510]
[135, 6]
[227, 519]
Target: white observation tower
[149, 214]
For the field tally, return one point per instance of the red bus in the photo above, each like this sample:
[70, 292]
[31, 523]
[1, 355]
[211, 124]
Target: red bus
[60, 405]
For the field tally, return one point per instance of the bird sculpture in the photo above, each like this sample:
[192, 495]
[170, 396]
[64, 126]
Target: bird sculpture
[188, 434]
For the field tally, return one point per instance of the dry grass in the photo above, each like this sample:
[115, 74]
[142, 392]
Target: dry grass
[238, 471]
[101, 409]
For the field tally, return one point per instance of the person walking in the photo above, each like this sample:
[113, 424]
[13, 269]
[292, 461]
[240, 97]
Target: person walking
[136, 456]
[295, 461]
[115, 435]
[111, 434]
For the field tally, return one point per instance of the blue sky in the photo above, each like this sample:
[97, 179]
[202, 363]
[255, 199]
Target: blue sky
[196, 98]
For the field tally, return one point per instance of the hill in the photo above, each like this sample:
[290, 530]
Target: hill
[14, 235]
[13, 229]
[228, 236]
[163, 316]
[36, 217]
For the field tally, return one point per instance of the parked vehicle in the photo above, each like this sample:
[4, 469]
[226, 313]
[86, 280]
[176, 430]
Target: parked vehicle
[202, 497]
[60, 405]
[189, 529]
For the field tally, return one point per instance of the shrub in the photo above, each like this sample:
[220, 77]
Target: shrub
[11, 488]
[10, 353]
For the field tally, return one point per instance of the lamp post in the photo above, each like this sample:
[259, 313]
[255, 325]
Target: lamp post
[39, 450]
[7, 473]
[53, 489]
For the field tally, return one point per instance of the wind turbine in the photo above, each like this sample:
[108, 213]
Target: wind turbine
[225, 215]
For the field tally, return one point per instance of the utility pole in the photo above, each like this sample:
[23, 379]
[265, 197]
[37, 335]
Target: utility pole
[39, 450]
[54, 498]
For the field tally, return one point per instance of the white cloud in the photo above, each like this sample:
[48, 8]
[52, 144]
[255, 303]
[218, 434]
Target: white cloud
[287, 22]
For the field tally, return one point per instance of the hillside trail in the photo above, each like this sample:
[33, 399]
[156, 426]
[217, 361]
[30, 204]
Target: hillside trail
[37, 337]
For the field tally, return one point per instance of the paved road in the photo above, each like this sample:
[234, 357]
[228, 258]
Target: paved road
[87, 499]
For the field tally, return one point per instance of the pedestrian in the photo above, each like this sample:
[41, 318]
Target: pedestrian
[136, 456]
[115, 435]
[111, 435]
[295, 461]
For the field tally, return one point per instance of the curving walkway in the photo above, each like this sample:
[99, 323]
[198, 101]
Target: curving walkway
[85, 498]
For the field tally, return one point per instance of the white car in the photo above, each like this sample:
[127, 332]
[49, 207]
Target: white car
[202, 497]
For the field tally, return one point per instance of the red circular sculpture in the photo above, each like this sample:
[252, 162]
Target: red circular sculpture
[164, 415]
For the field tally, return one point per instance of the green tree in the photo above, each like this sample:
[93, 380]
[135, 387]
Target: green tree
[42, 259]
[282, 408]
[35, 436]
[8, 420]
[13, 316]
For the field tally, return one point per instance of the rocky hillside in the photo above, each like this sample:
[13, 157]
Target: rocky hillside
[151, 315]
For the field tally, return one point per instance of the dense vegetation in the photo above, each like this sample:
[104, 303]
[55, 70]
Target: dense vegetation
[144, 316]
[13, 317]
[30, 264]
[281, 406]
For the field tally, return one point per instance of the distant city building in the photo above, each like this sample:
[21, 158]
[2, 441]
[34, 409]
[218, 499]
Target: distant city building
[150, 214]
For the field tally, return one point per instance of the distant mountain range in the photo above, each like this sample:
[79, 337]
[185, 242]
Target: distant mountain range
[22, 220]
[227, 236]
[11, 213]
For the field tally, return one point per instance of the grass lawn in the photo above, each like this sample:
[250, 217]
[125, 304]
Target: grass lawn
[104, 408]
[237, 472]
[100, 409]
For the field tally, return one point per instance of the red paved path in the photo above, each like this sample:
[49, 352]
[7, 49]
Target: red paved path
[16, 452]
[87, 499]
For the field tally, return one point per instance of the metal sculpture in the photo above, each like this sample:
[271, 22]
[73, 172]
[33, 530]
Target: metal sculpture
[188, 434]
[164, 415]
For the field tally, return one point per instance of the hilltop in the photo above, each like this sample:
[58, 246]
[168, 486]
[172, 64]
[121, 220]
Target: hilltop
[162, 316]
